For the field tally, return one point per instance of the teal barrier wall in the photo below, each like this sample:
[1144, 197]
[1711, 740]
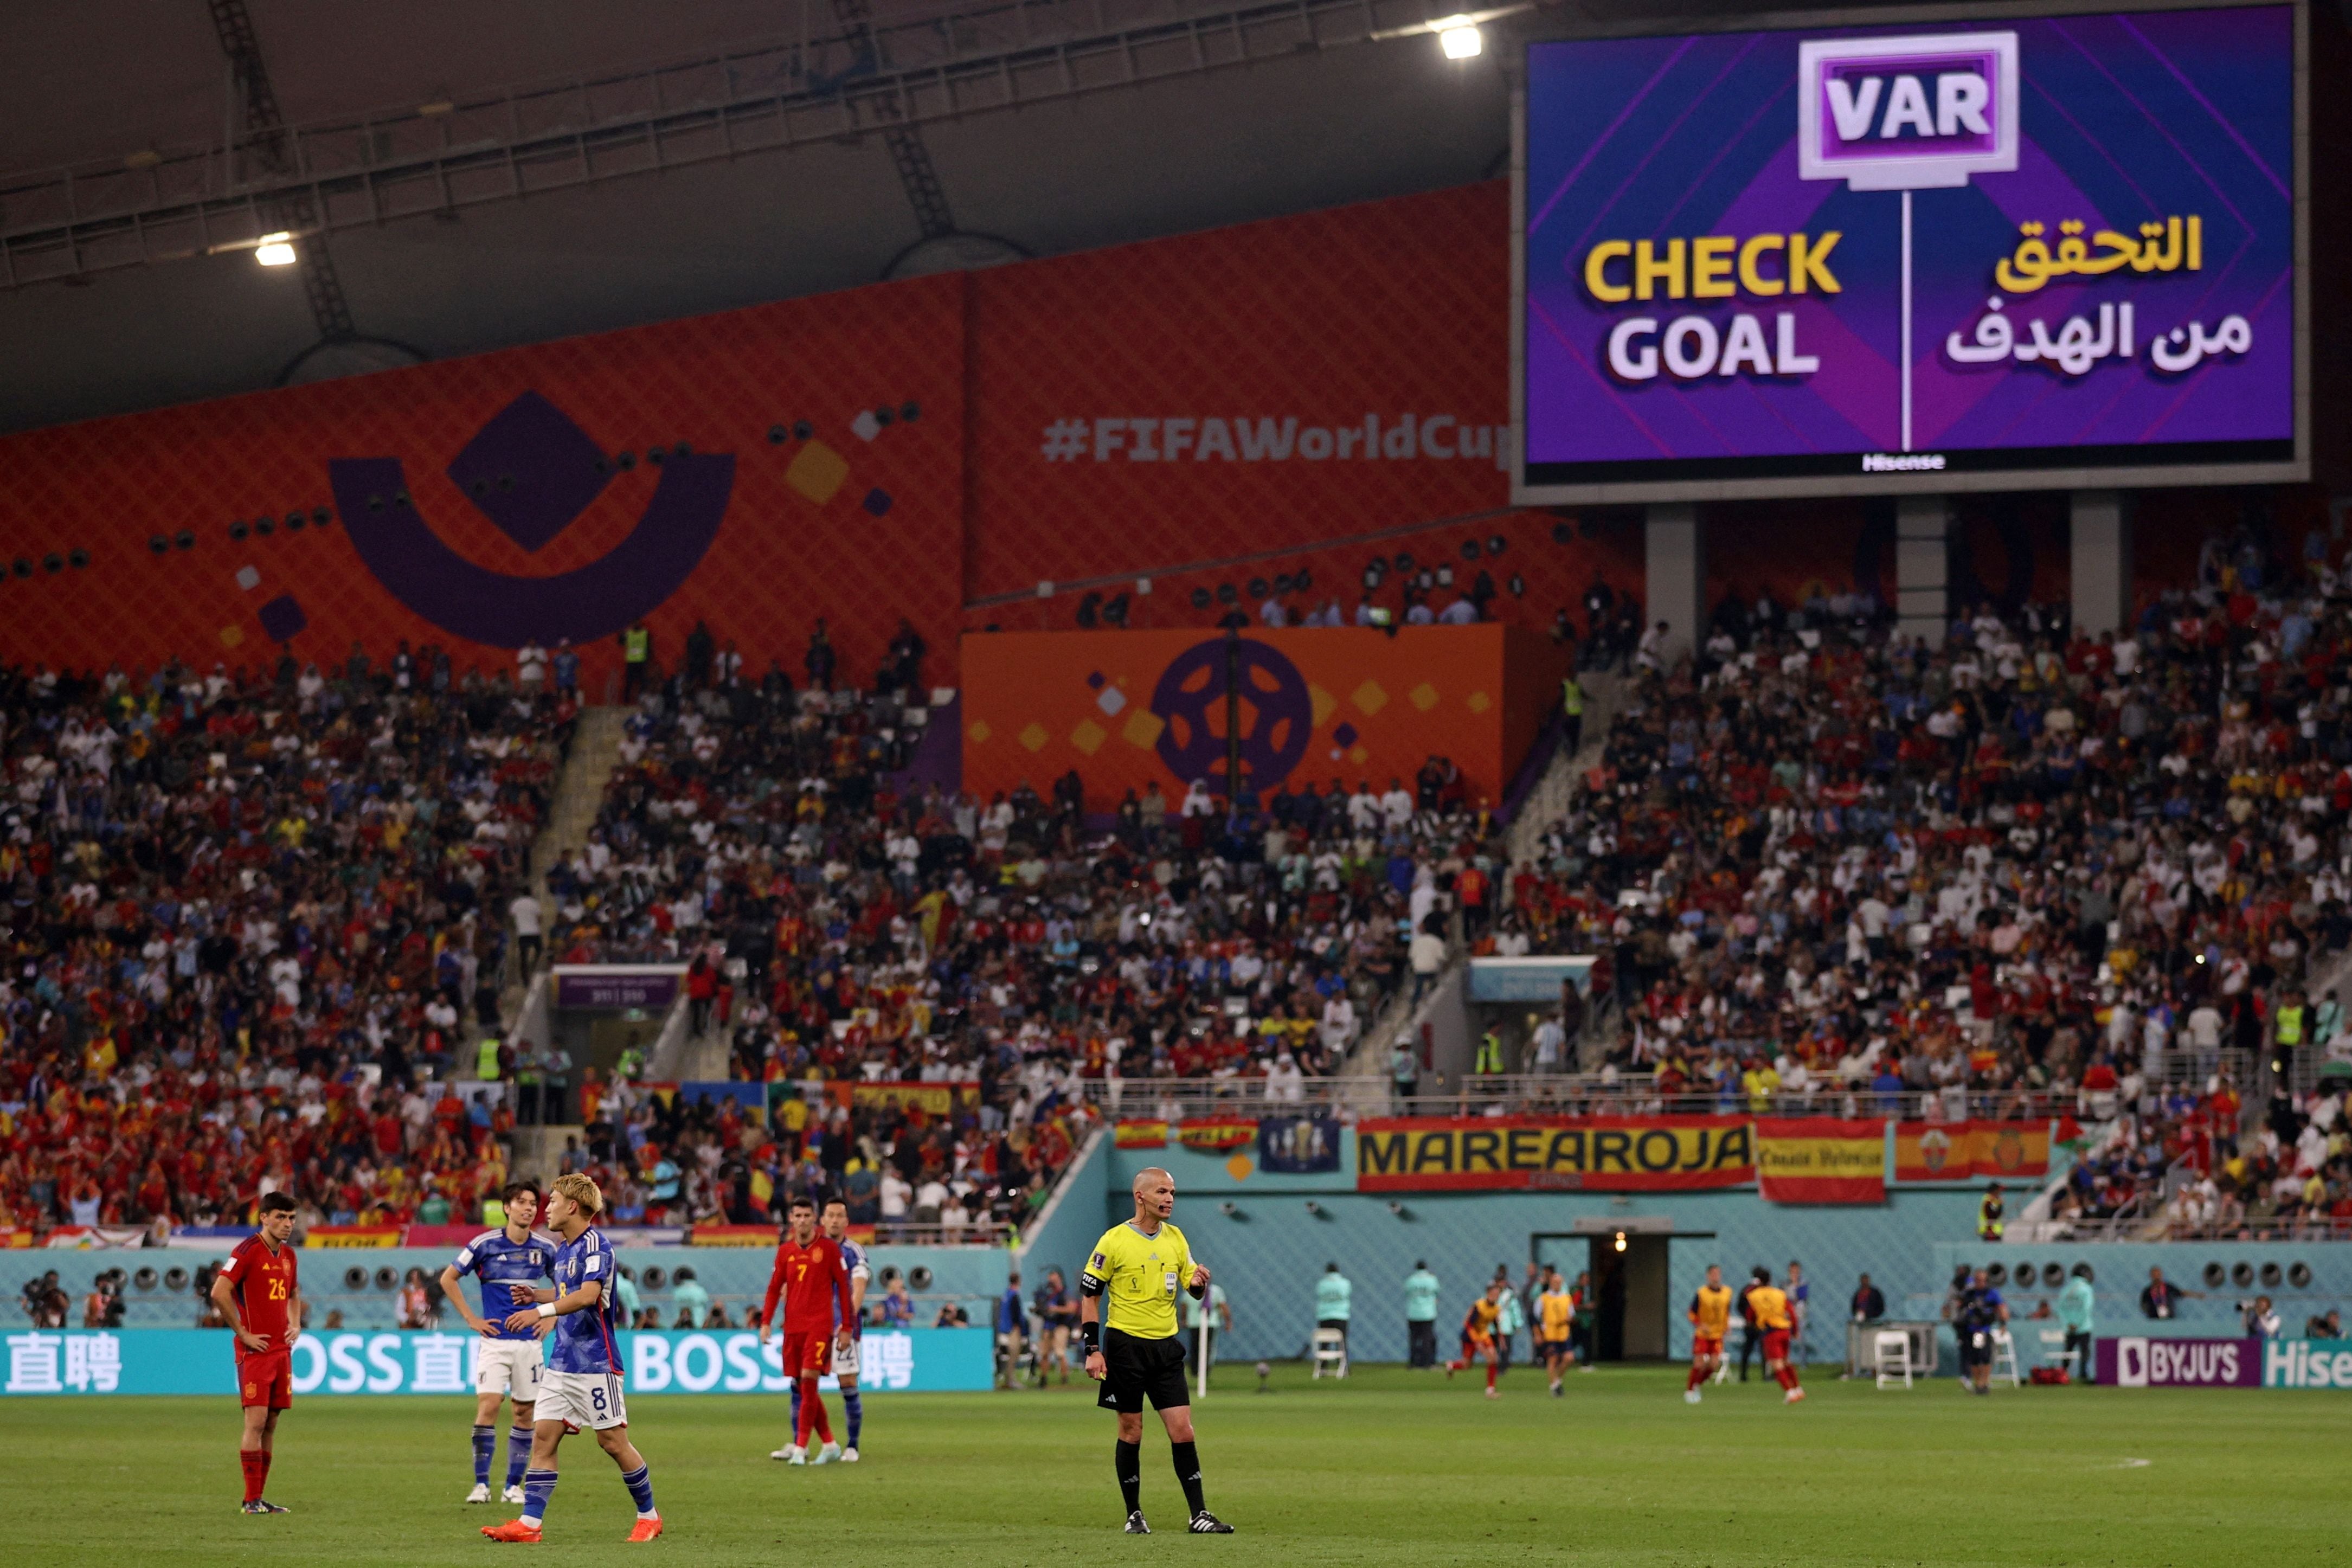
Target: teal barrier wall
[2303, 1279]
[1269, 1250]
[736, 1277]
[193, 1360]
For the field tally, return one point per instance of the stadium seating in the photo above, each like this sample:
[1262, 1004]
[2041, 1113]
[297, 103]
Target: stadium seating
[2028, 874]
[244, 908]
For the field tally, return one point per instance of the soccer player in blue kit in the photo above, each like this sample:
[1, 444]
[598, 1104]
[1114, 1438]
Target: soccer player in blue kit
[834, 1224]
[510, 1362]
[582, 1386]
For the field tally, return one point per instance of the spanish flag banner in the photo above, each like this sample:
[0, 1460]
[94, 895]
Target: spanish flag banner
[1937, 1151]
[1816, 1160]
[1140, 1134]
[1998, 1151]
[1218, 1133]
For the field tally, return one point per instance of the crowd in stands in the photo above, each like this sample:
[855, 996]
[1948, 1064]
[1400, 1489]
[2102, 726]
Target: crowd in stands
[843, 924]
[250, 917]
[243, 912]
[2024, 873]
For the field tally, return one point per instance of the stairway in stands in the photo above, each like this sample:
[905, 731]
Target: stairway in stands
[579, 791]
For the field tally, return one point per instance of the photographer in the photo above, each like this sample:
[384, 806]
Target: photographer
[1979, 1317]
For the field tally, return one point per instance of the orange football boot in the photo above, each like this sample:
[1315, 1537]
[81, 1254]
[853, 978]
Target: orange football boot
[512, 1529]
[646, 1529]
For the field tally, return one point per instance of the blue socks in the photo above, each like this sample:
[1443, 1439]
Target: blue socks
[518, 1454]
[486, 1438]
[641, 1489]
[855, 1408]
[796, 1408]
[538, 1491]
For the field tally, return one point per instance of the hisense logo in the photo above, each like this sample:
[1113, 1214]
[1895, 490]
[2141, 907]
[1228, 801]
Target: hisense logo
[1902, 462]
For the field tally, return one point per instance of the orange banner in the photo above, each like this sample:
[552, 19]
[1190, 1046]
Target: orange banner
[1815, 1160]
[1971, 1151]
[354, 1236]
[1128, 710]
[1933, 1151]
[1141, 1135]
[1217, 1134]
[731, 1236]
[2000, 1151]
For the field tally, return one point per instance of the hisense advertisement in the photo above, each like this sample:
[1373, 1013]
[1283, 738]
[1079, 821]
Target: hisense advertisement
[2014, 251]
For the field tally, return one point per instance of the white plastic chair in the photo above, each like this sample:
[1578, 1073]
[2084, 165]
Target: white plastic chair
[1330, 1349]
[1891, 1349]
[2004, 1358]
[2055, 1353]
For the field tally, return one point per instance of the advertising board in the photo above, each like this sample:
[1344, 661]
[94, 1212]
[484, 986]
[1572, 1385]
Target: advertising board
[724, 1361]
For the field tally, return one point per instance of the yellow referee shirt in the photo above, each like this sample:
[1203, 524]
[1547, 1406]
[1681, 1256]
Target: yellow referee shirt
[1558, 1310]
[1139, 1276]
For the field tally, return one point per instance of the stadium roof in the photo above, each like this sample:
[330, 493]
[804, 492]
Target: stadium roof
[396, 129]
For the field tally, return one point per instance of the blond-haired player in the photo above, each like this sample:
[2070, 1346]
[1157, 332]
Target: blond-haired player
[582, 1386]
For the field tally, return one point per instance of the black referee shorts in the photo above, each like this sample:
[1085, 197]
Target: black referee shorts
[1138, 1369]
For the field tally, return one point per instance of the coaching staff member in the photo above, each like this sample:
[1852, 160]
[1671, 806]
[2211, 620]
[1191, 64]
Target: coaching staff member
[1127, 1315]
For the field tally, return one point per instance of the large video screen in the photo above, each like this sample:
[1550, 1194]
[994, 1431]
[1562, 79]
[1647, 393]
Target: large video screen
[2016, 253]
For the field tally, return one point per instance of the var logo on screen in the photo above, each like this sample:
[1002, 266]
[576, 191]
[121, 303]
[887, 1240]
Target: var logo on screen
[1908, 114]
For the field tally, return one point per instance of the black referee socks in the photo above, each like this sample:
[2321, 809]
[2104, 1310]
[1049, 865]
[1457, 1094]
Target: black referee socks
[1188, 1471]
[1128, 1459]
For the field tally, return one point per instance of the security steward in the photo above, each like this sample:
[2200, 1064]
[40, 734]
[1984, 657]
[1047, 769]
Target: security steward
[1126, 1316]
[1989, 1214]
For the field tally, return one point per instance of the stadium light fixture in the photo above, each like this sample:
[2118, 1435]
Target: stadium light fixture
[1459, 37]
[275, 250]
[1620, 1241]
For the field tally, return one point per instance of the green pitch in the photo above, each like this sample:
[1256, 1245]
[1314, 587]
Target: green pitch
[1389, 1467]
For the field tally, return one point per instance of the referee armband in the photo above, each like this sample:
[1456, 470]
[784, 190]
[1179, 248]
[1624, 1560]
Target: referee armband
[1090, 1284]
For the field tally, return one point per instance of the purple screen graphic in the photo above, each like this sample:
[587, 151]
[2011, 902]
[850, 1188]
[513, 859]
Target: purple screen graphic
[1706, 299]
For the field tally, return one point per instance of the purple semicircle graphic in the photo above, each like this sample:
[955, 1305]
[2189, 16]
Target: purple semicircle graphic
[597, 600]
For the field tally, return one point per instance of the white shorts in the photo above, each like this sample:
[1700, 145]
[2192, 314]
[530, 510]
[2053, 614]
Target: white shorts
[844, 1359]
[582, 1400]
[511, 1368]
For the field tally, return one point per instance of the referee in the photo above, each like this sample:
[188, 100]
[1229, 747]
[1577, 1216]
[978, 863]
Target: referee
[1127, 1315]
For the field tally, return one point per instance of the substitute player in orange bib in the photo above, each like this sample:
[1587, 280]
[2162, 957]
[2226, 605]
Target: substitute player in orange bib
[257, 1291]
[1770, 1305]
[1710, 1319]
[1478, 1336]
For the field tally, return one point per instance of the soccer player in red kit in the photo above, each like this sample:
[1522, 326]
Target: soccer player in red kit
[257, 1292]
[811, 1278]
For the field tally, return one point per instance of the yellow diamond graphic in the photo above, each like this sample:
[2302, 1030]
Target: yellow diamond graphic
[1370, 697]
[1035, 736]
[1239, 1167]
[1480, 702]
[817, 473]
[980, 731]
[1424, 696]
[1324, 704]
[1358, 756]
[1142, 729]
[232, 635]
[1089, 736]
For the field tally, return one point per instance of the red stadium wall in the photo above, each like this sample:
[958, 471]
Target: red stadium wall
[1280, 403]
[496, 455]
[1128, 708]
